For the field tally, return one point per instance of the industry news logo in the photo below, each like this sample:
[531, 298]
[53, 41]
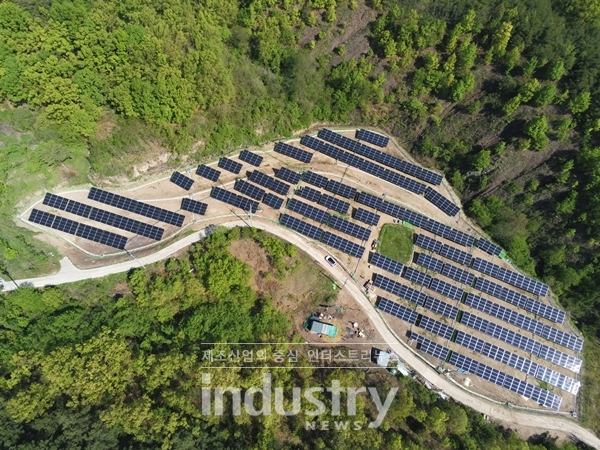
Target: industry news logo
[266, 400]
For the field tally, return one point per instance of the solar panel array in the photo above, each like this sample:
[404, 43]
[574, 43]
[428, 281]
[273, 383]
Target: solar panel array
[417, 277]
[273, 201]
[364, 165]
[182, 181]
[488, 247]
[373, 138]
[293, 152]
[343, 225]
[386, 263]
[230, 165]
[379, 156]
[78, 229]
[99, 215]
[435, 327]
[511, 277]
[234, 199]
[141, 208]
[288, 175]
[279, 187]
[364, 198]
[334, 203]
[309, 193]
[431, 348]
[208, 172]
[341, 189]
[441, 202]
[428, 243]
[446, 289]
[251, 158]
[249, 189]
[558, 379]
[457, 274]
[309, 211]
[315, 179]
[541, 396]
[520, 300]
[442, 308]
[430, 263]
[399, 290]
[366, 217]
[301, 227]
[456, 255]
[187, 204]
[396, 310]
[343, 245]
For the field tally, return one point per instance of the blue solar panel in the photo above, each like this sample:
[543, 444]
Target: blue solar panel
[249, 189]
[435, 327]
[431, 348]
[182, 181]
[396, 310]
[386, 263]
[301, 227]
[446, 289]
[273, 201]
[309, 193]
[400, 290]
[293, 152]
[364, 198]
[309, 211]
[345, 226]
[511, 277]
[341, 189]
[315, 179]
[269, 182]
[288, 175]
[208, 172]
[193, 206]
[366, 216]
[343, 245]
[230, 165]
[416, 276]
[251, 158]
[429, 262]
[456, 255]
[457, 274]
[441, 202]
[428, 243]
[488, 247]
[233, 199]
[333, 203]
[442, 308]
[373, 138]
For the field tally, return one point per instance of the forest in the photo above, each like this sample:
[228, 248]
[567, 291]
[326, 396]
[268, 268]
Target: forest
[499, 95]
[150, 324]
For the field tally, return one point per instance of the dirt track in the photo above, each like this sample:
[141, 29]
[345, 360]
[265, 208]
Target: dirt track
[519, 417]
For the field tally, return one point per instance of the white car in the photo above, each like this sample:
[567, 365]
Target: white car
[331, 261]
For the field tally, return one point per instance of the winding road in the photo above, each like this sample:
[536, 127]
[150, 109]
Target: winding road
[540, 421]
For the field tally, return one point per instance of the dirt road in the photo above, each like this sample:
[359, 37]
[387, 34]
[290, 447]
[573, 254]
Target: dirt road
[535, 420]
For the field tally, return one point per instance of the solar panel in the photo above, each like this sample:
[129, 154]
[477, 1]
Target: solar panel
[373, 138]
[309, 211]
[230, 165]
[108, 218]
[435, 327]
[366, 216]
[234, 199]
[341, 189]
[208, 172]
[429, 262]
[249, 189]
[343, 245]
[428, 243]
[182, 181]
[464, 239]
[279, 187]
[251, 158]
[441, 202]
[510, 276]
[343, 225]
[456, 255]
[309, 193]
[288, 175]
[417, 277]
[55, 201]
[301, 227]
[431, 348]
[399, 290]
[315, 179]
[137, 207]
[322, 147]
[402, 181]
[457, 274]
[334, 203]
[364, 198]
[469, 341]
[293, 152]
[41, 217]
[396, 310]
[446, 289]
[386, 263]
[273, 201]
[488, 247]
[442, 308]
[187, 204]
[379, 156]
[436, 227]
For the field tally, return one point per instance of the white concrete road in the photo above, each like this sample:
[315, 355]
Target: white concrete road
[540, 421]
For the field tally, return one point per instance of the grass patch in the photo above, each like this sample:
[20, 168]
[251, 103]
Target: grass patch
[396, 242]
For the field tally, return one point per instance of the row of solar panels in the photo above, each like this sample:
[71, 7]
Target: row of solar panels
[326, 237]
[244, 203]
[441, 352]
[511, 277]
[421, 299]
[213, 174]
[539, 395]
